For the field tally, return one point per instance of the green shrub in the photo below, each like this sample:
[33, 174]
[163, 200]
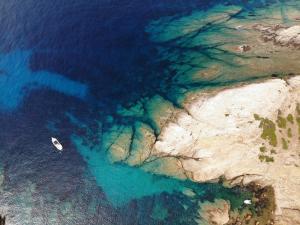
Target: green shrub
[289, 133]
[268, 132]
[269, 159]
[256, 116]
[284, 144]
[281, 122]
[265, 158]
[298, 122]
[261, 158]
[290, 118]
[298, 109]
[273, 151]
[262, 149]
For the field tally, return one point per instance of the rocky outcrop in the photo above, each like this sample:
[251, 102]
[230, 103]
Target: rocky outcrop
[284, 36]
[244, 134]
[216, 213]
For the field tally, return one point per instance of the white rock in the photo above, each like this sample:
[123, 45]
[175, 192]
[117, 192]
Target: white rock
[290, 35]
[222, 132]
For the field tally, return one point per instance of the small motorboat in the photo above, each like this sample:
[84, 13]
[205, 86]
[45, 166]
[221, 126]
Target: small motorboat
[247, 202]
[56, 144]
[239, 27]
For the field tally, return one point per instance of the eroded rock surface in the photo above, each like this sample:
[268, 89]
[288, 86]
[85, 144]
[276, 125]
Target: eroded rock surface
[245, 133]
[230, 133]
[284, 36]
[216, 212]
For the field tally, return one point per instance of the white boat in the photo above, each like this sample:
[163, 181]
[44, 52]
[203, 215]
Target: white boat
[247, 202]
[239, 27]
[56, 144]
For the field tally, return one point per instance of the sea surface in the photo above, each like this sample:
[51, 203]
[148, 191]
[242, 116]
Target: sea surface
[67, 68]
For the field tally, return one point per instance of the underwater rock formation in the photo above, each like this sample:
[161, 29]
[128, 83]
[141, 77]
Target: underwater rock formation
[214, 213]
[243, 134]
[219, 126]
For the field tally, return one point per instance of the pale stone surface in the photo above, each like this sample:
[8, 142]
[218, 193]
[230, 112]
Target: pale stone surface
[285, 36]
[218, 136]
[216, 212]
[289, 35]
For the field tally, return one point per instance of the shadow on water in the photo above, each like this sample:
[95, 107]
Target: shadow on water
[41, 185]
[101, 45]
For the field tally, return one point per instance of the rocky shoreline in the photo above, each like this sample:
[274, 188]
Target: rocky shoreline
[245, 134]
[260, 212]
[231, 130]
[240, 135]
[237, 134]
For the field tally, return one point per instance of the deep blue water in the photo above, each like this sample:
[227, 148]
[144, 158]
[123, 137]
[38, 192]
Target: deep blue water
[85, 59]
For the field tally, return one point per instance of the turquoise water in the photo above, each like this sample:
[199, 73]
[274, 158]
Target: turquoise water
[122, 183]
[17, 80]
[89, 72]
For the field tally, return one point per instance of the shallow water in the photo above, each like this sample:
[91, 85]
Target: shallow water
[81, 71]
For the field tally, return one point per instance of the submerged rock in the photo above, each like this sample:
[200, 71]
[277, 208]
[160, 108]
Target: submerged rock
[236, 134]
[216, 213]
[233, 132]
[244, 48]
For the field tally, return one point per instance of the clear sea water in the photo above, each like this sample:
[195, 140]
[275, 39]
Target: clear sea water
[66, 66]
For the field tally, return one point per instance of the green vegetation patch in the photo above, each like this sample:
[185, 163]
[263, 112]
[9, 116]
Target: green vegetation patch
[261, 158]
[298, 109]
[265, 158]
[284, 144]
[262, 149]
[273, 151]
[281, 122]
[290, 118]
[256, 116]
[269, 159]
[298, 122]
[268, 132]
[289, 133]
